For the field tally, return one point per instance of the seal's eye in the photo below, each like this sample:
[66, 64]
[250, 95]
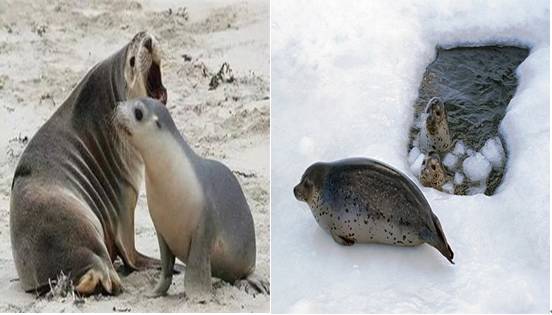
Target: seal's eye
[132, 60]
[438, 113]
[158, 124]
[138, 114]
[433, 166]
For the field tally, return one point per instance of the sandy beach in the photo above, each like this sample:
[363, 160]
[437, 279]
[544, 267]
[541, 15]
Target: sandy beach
[46, 47]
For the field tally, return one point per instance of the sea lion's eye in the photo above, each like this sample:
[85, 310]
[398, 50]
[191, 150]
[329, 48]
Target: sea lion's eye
[138, 114]
[132, 60]
[158, 124]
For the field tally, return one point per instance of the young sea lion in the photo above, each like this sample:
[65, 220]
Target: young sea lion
[197, 205]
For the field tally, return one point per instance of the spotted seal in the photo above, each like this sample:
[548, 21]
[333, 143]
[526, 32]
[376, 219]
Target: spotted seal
[433, 173]
[75, 187]
[434, 134]
[197, 205]
[363, 200]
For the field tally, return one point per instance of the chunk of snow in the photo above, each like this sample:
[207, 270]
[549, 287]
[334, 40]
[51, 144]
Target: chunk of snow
[413, 155]
[479, 189]
[458, 178]
[459, 148]
[477, 168]
[450, 161]
[494, 152]
[448, 187]
[470, 152]
[416, 167]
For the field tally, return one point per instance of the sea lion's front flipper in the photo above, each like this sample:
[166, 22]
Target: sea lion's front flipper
[126, 243]
[197, 280]
[167, 264]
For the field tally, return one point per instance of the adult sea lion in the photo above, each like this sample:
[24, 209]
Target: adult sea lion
[76, 185]
[197, 205]
[363, 200]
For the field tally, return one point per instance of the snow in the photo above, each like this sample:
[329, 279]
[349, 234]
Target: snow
[448, 187]
[459, 148]
[416, 167]
[413, 155]
[346, 76]
[450, 161]
[493, 152]
[478, 189]
[458, 178]
[477, 168]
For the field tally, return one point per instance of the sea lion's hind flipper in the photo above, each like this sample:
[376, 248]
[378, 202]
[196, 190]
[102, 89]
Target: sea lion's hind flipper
[255, 283]
[99, 276]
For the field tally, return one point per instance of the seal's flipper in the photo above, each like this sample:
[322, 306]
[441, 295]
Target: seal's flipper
[436, 238]
[167, 265]
[442, 246]
[341, 240]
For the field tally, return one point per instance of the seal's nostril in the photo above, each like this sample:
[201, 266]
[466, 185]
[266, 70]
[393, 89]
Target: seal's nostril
[148, 44]
[296, 192]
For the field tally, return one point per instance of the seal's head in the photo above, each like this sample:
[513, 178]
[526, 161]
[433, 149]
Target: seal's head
[436, 114]
[433, 173]
[146, 122]
[311, 182]
[142, 69]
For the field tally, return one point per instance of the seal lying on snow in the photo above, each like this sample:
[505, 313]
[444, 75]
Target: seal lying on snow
[363, 200]
[197, 205]
[76, 185]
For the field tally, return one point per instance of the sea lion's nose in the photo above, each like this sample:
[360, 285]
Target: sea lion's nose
[148, 44]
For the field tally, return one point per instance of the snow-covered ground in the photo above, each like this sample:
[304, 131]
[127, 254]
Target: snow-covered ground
[344, 78]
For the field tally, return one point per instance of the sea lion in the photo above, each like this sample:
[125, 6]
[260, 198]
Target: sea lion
[433, 173]
[363, 200]
[197, 205]
[76, 184]
[434, 133]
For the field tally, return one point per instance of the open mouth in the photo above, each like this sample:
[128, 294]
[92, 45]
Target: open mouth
[154, 85]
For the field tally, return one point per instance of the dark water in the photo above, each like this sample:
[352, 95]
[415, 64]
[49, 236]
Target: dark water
[476, 85]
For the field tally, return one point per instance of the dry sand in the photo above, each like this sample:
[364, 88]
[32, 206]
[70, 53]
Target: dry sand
[45, 47]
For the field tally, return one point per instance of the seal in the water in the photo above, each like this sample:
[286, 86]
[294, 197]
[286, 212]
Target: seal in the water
[76, 185]
[197, 205]
[433, 173]
[363, 200]
[434, 133]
